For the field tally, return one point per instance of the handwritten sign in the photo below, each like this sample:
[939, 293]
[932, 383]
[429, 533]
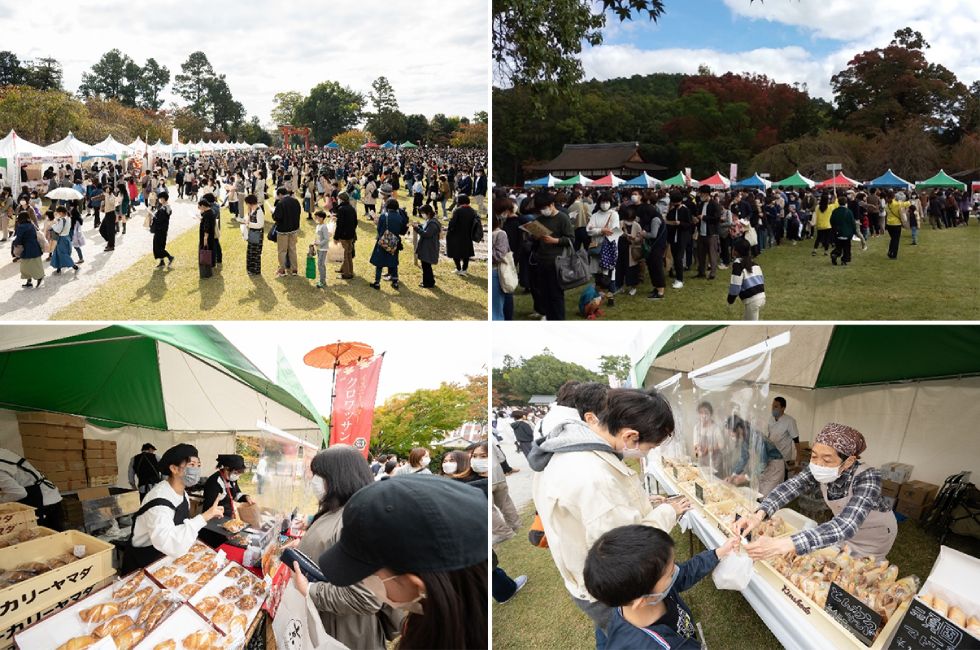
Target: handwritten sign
[858, 618]
[923, 628]
[699, 492]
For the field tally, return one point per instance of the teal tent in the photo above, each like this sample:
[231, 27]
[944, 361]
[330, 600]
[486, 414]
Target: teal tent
[796, 181]
[410, 145]
[942, 179]
[578, 179]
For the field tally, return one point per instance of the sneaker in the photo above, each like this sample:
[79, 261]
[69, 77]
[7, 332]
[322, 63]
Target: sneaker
[320, 285]
[520, 581]
[612, 301]
[535, 315]
[464, 273]
[655, 296]
[677, 284]
[170, 262]
[723, 267]
[632, 291]
[813, 254]
[160, 265]
[280, 274]
[375, 285]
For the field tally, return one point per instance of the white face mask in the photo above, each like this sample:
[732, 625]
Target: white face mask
[234, 477]
[319, 487]
[480, 465]
[824, 474]
[636, 198]
[605, 205]
[424, 462]
[656, 597]
[634, 452]
[547, 212]
[376, 586]
[449, 468]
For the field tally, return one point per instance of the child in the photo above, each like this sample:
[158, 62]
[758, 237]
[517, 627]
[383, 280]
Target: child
[747, 282]
[632, 570]
[589, 302]
[322, 245]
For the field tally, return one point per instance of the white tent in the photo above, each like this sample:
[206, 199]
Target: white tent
[913, 406]
[260, 145]
[12, 149]
[137, 145]
[72, 146]
[111, 145]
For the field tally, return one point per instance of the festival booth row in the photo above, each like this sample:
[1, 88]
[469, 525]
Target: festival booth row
[79, 402]
[721, 381]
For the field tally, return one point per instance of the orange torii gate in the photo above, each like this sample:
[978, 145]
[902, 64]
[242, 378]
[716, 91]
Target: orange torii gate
[289, 130]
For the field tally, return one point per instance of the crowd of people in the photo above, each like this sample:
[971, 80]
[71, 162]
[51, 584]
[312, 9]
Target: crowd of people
[611, 541]
[391, 188]
[670, 232]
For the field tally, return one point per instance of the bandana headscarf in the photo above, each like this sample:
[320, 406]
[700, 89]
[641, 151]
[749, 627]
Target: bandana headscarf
[842, 438]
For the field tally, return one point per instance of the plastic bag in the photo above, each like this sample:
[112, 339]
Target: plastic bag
[684, 522]
[733, 572]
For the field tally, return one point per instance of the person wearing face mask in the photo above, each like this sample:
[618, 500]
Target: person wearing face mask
[632, 570]
[352, 614]
[783, 432]
[505, 518]
[456, 466]
[163, 525]
[434, 567]
[418, 462]
[605, 231]
[223, 484]
[755, 456]
[582, 488]
[548, 295]
[852, 490]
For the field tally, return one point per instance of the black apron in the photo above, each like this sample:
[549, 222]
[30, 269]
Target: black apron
[137, 557]
[34, 497]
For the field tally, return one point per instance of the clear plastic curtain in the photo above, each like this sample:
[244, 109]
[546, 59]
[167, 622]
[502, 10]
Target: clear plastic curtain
[732, 415]
[680, 445]
[277, 474]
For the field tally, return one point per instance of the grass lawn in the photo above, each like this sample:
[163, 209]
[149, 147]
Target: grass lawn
[141, 293]
[936, 280]
[542, 614]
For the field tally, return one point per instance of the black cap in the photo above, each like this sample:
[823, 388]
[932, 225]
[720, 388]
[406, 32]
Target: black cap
[409, 524]
[175, 456]
[231, 461]
[148, 447]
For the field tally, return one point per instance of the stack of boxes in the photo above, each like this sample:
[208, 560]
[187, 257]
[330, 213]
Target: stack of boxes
[53, 443]
[909, 498]
[100, 462]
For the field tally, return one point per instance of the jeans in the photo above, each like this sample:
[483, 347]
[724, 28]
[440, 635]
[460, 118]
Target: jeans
[763, 234]
[321, 266]
[392, 271]
[915, 234]
[502, 586]
[499, 299]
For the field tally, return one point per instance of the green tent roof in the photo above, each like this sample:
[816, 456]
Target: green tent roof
[409, 145]
[942, 179]
[578, 179]
[121, 375]
[674, 181]
[796, 180]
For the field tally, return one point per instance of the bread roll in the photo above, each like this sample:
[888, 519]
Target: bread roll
[99, 613]
[113, 626]
[79, 643]
[926, 599]
[940, 605]
[957, 616]
[127, 640]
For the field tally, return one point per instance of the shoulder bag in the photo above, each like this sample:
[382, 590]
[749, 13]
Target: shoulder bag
[572, 268]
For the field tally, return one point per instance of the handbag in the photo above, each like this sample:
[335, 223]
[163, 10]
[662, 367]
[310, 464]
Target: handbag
[311, 264]
[273, 233]
[297, 624]
[42, 241]
[608, 254]
[254, 236]
[507, 273]
[388, 241]
[572, 268]
[78, 237]
[205, 256]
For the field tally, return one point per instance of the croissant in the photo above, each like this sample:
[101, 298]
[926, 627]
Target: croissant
[99, 613]
[238, 624]
[114, 626]
[189, 590]
[79, 643]
[246, 602]
[222, 616]
[128, 639]
[164, 573]
[202, 640]
[174, 582]
[184, 559]
[235, 572]
[208, 605]
[128, 587]
[148, 608]
[136, 599]
[205, 577]
[169, 644]
[231, 592]
[162, 609]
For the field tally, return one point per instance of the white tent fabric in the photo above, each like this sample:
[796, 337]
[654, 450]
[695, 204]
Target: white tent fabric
[72, 146]
[111, 145]
[137, 144]
[13, 145]
[922, 423]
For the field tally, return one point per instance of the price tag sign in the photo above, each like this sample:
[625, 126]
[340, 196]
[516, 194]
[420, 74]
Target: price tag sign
[858, 618]
[921, 627]
[698, 492]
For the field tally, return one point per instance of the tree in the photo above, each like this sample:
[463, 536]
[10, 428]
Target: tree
[43, 74]
[481, 117]
[883, 88]
[40, 115]
[190, 126]
[416, 128]
[226, 113]
[441, 129]
[382, 96]
[543, 374]
[330, 109]
[538, 41]
[353, 139]
[470, 136]
[618, 366]
[285, 105]
[11, 71]
[389, 125]
[253, 132]
[153, 78]
[113, 76]
[195, 83]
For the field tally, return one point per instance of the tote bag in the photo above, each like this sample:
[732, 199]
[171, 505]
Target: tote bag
[297, 625]
[507, 273]
[572, 268]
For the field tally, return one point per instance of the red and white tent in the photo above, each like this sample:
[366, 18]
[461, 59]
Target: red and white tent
[838, 181]
[609, 181]
[716, 182]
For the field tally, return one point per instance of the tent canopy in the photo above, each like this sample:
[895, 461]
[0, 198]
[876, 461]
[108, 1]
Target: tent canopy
[678, 180]
[716, 182]
[644, 180]
[110, 145]
[409, 145]
[610, 180]
[840, 180]
[754, 181]
[797, 180]
[71, 146]
[388, 145]
[890, 179]
[333, 145]
[578, 179]
[370, 145]
[942, 179]
[546, 181]
[164, 377]
[13, 145]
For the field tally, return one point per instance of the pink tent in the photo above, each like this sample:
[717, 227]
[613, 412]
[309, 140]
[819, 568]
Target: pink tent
[371, 145]
[837, 181]
[608, 181]
[716, 182]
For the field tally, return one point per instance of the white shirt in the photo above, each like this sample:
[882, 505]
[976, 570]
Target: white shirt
[156, 526]
[781, 433]
[608, 219]
[14, 481]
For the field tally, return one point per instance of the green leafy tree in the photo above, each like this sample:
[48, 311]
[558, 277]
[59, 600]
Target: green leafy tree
[352, 139]
[226, 113]
[195, 82]
[470, 136]
[252, 132]
[618, 366]
[152, 80]
[543, 374]
[11, 71]
[44, 74]
[390, 125]
[416, 128]
[329, 109]
[481, 117]
[382, 96]
[40, 115]
[284, 107]
[114, 76]
[441, 129]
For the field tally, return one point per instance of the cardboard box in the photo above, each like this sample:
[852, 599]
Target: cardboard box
[50, 431]
[890, 488]
[918, 492]
[56, 419]
[80, 591]
[898, 472]
[93, 444]
[912, 510]
[14, 517]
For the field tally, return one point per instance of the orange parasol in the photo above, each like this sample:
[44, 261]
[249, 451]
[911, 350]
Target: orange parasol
[337, 354]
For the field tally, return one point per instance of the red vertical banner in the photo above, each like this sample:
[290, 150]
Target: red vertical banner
[353, 405]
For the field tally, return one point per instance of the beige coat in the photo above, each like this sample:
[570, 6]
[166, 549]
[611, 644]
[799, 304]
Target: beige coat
[349, 614]
[580, 496]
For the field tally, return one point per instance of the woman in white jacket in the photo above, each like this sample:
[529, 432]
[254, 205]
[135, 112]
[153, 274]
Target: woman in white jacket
[582, 488]
[604, 226]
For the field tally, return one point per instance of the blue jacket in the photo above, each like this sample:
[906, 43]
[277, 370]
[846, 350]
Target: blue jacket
[765, 451]
[25, 234]
[621, 634]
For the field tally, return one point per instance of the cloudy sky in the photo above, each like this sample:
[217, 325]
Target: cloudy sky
[789, 40]
[576, 342]
[435, 54]
[417, 354]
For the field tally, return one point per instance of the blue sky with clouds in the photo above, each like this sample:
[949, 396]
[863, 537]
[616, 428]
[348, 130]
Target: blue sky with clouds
[790, 40]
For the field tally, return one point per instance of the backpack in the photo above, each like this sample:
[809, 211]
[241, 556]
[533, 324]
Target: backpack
[476, 233]
[388, 241]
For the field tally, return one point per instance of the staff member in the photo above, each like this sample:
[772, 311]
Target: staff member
[144, 471]
[22, 482]
[783, 432]
[851, 489]
[766, 462]
[223, 484]
[163, 525]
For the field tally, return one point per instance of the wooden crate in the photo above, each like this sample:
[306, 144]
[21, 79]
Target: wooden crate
[14, 516]
[56, 419]
[42, 532]
[49, 588]
[81, 591]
